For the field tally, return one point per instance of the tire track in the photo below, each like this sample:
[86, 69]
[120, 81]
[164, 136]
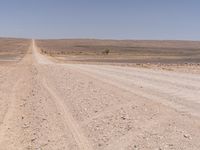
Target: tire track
[69, 122]
[9, 113]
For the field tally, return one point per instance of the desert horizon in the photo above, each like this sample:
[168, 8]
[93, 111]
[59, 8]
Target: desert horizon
[99, 75]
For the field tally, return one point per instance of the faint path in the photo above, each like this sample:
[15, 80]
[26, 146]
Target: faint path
[10, 111]
[68, 121]
[39, 58]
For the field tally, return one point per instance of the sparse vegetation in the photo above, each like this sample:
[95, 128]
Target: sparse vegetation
[126, 51]
[106, 51]
[13, 49]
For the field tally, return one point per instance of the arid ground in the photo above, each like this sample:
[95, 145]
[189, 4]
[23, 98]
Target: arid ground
[99, 95]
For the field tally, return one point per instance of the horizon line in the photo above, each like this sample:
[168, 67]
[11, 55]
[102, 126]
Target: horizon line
[86, 38]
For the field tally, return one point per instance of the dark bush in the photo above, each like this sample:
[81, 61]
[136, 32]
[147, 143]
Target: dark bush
[106, 51]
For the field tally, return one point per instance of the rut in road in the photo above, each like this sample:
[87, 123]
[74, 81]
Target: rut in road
[69, 122]
[9, 112]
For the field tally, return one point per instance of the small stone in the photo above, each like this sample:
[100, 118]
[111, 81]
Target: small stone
[32, 140]
[99, 144]
[123, 117]
[25, 126]
[187, 136]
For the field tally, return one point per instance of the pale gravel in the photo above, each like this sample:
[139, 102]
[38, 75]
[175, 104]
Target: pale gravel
[53, 106]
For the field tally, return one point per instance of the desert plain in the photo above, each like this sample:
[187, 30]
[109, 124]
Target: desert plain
[87, 94]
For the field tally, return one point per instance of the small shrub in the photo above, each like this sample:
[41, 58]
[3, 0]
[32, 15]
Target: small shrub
[106, 51]
[43, 51]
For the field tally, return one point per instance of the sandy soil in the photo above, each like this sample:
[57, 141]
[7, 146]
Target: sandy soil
[46, 105]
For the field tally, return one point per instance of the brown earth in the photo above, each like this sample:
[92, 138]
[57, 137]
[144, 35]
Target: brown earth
[122, 52]
[49, 105]
[13, 49]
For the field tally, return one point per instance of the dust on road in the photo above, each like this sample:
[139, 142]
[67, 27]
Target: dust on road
[46, 105]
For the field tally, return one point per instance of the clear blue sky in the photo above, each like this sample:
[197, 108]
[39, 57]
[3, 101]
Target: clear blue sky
[115, 19]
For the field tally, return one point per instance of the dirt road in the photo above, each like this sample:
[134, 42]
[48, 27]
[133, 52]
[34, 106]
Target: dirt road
[51, 106]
